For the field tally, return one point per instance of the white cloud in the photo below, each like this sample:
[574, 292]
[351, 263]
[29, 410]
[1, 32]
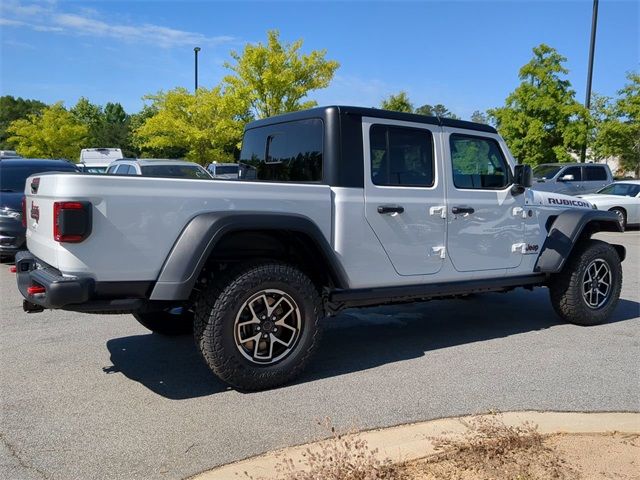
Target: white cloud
[46, 17]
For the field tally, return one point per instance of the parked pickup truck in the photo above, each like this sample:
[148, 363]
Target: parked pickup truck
[349, 207]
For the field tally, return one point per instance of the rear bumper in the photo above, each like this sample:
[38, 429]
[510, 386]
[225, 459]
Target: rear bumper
[59, 290]
[79, 294]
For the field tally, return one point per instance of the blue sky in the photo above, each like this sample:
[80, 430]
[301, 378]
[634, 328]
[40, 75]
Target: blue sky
[465, 55]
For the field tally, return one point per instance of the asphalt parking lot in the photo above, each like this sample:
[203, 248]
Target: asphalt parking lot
[100, 397]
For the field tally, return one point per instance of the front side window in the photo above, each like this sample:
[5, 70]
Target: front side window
[478, 163]
[284, 152]
[596, 173]
[575, 171]
[401, 156]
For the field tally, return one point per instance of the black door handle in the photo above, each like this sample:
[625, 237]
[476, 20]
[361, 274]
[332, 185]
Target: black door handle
[382, 209]
[459, 210]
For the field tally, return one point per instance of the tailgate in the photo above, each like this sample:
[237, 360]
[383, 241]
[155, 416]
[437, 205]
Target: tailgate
[47, 216]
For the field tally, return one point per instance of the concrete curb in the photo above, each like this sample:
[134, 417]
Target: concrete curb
[410, 442]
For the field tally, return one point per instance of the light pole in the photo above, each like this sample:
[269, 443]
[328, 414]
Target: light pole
[195, 51]
[592, 47]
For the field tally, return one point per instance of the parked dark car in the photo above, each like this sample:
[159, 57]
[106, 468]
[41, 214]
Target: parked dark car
[13, 173]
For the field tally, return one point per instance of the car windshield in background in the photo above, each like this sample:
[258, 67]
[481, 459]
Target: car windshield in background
[622, 189]
[12, 177]
[175, 171]
[546, 171]
[226, 169]
[94, 169]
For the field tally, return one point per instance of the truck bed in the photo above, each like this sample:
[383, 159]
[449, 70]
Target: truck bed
[136, 220]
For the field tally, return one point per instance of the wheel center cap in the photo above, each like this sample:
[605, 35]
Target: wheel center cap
[267, 326]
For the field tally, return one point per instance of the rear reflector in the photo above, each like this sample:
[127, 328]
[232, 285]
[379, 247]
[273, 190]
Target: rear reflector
[13, 269]
[71, 221]
[36, 289]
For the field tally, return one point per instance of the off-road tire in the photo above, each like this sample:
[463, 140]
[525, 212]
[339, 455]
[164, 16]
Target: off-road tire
[622, 216]
[565, 288]
[221, 301]
[165, 323]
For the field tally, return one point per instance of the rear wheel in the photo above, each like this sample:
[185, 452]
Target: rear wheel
[586, 292]
[167, 322]
[258, 325]
[622, 216]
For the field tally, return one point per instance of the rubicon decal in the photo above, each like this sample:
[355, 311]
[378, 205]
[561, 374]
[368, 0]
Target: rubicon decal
[566, 201]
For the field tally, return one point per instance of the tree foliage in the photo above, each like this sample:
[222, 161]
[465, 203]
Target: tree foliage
[541, 121]
[479, 117]
[203, 126]
[276, 78]
[12, 109]
[398, 102]
[54, 133]
[438, 110]
[616, 131]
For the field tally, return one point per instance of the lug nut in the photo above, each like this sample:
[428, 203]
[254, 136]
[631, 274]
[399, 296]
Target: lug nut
[258, 328]
[275, 329]
[265, 335]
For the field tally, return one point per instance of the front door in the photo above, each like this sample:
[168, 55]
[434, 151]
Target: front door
[485, 220]
[404, 193]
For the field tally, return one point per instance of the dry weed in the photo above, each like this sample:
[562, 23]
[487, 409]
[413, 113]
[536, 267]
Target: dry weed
[340, 457]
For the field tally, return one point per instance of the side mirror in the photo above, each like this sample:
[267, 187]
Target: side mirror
[522, 178]
[566, 178]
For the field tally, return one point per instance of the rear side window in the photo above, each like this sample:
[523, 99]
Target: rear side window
[478, 163]
[112, 169]
[575, 171]
[401, 156]
[596, 173]
[285, 152]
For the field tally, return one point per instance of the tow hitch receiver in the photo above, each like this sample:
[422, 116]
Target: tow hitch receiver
[29, 307]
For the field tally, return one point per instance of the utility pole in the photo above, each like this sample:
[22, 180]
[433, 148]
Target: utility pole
[592, 47]
[195, 51]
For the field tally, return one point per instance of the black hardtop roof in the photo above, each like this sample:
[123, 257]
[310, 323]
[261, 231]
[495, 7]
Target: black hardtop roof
[372, 112]
[36, 162]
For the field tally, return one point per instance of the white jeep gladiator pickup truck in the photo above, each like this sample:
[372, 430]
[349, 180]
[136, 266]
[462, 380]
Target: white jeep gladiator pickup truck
[340, 207]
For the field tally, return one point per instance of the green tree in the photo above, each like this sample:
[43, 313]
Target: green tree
[12, 109]
[203, 126]
[541, 121]
[479, 117]
[438, 110]
[55, 133]
[616, 131]
[398, 102]
[274, 78]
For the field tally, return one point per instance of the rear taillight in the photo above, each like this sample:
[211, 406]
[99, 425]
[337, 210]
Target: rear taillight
[71, 221]
[24, 211]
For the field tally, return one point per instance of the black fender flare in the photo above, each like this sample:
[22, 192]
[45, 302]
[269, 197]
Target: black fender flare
[199, 237]
[565, 232]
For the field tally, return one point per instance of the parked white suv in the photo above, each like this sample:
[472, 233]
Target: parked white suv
[158, 168]
[348, 207]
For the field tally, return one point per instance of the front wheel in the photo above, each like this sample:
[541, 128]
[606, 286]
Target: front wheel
[587, 290]
[258, 325]
[622, 216]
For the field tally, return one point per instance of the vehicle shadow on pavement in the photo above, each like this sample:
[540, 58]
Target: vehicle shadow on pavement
[169, 366]
[355, 340]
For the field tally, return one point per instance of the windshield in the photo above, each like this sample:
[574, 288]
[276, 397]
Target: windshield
[546, 171]
[622, 189]
[177, 171]
[226, 169]
[94, 169]
[12, 178]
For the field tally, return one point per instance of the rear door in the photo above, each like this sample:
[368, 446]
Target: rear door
[404, 193]
[594, 178]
